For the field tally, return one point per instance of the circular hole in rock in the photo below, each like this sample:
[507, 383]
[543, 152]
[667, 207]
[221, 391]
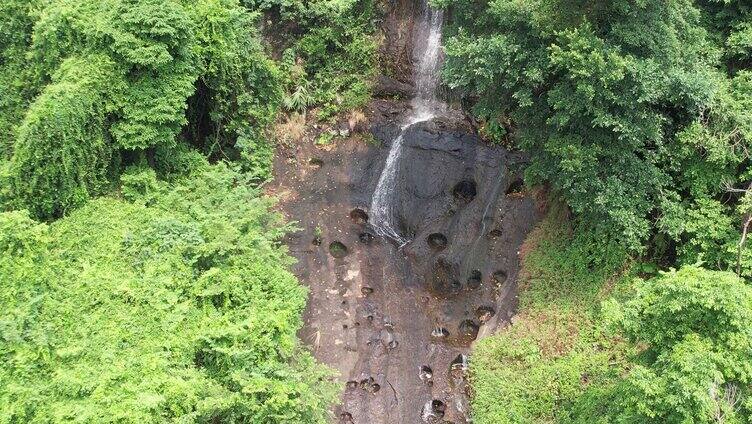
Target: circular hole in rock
[439, 333]
[469, 329]
[317, 162]
[484, 314]
[495, 233]
[455, 287]
[337, 249]
[515, 188]
[459, 363]
[500, 276]
[426, 373]
[465, 190]
[316, 241]
[433, 411]
[474, 280]
[375, 387]
[346, 417]
[366, 238]
[366, 383]
[437, 241]
[359, 216]
[366, 290]
[352, 384]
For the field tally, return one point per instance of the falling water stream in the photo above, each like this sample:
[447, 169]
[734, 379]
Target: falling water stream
[425, 106]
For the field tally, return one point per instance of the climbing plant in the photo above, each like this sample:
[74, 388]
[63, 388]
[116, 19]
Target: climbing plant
[159, 54]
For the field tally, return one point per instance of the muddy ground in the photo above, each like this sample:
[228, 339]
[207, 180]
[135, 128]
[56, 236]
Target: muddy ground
[397, 323]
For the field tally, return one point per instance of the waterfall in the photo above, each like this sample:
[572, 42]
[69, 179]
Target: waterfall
[425, 106]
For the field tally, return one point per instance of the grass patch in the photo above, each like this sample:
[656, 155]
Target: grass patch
[539, 369]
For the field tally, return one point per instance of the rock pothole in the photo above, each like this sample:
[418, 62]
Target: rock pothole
[437, 241]
[484, 314]
[459, 363]
[359, 216]
[468, 329]
[465, 190]
[495, 233]
[370, 385]
[474, 280]
[433, 411]
[366, 238]
[500, 276]
[439, 333]
[425, 374]
[337, 249]
[516, 188]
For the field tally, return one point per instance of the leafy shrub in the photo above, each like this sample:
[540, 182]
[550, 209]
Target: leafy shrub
[176, 308]
[18, 88]
[330, 57]
[696, 364]
[239, 89]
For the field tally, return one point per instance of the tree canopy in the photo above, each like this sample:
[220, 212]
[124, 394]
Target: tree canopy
[625, 107]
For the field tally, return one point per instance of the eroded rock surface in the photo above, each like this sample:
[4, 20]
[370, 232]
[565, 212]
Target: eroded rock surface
[394, 321]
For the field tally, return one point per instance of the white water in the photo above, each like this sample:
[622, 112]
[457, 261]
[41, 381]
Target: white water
[425, 106]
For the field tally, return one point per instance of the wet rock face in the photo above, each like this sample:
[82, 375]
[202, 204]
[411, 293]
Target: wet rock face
[442, 173]
[398, 323]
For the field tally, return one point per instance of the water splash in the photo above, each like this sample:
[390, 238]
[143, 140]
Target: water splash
[425, 106]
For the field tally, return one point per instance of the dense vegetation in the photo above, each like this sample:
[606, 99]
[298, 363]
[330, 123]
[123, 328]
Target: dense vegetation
[173, 304]
[637, 113]
[638, 116]
[138, 282]
[142, 277]
[593, 343]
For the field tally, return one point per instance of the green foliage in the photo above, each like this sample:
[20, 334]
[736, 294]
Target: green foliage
[556, 350]
[729, 21]
[63, 155]
[696, 366]
[174, 306]
[621, 104]
[149, 40]
[160, 56]
[15, 38]
[685, 358]
[330, 57]
[637, 114]
[239, 88]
